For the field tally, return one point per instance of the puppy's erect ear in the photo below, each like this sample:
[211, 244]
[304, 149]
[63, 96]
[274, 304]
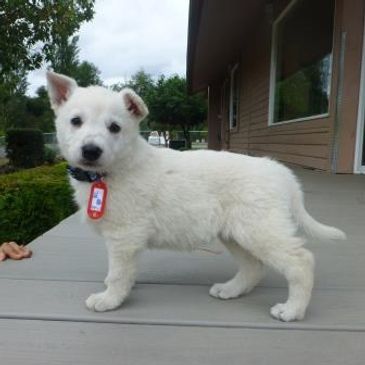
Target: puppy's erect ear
[60, 88]
[134, 104]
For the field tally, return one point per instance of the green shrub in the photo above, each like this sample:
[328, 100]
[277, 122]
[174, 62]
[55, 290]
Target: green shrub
[33, 201]
[25, 147]
[49, 155]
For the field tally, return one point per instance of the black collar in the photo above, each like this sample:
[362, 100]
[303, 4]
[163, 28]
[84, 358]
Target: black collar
[83, 175]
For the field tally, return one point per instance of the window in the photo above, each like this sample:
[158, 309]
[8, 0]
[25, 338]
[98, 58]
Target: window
[301, 65]
[233, 98]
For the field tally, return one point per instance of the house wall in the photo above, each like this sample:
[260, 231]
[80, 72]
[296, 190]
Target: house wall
[324, 143]
[214, 118]
[352, 25]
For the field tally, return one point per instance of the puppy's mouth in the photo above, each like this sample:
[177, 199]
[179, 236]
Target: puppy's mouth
[90, 165]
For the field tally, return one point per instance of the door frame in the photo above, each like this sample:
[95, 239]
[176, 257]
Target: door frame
[359, 168]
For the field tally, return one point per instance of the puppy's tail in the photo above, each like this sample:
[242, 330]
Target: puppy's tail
[308, 223]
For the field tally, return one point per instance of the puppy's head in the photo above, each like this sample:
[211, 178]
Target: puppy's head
[95, 126]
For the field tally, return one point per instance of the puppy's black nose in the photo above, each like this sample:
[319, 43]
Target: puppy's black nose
[91, 152]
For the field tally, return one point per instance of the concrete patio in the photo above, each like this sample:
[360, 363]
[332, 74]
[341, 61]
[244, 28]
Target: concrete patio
[170, 318]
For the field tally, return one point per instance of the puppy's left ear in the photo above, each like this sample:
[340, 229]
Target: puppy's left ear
[60, 88]
[134, 104]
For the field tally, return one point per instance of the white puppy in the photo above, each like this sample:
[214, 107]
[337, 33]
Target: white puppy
[179, 200]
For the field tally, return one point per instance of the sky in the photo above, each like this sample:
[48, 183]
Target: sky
[125, 36]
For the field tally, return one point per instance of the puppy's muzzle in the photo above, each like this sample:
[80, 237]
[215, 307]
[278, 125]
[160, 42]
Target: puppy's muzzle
[91, 152]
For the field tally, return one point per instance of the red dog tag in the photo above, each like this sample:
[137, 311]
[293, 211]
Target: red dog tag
[97, 200]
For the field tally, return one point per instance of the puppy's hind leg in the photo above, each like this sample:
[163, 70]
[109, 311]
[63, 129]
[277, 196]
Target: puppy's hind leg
[297, 265]
[284, 253]
[249, 274]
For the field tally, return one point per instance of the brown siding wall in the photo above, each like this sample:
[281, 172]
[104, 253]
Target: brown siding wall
[308, 143]
[214, 121]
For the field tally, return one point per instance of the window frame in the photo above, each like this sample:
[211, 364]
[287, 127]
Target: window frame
[274, 53]
[232, 74]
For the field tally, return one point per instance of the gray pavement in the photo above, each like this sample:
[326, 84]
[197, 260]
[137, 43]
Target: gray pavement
[169, 317]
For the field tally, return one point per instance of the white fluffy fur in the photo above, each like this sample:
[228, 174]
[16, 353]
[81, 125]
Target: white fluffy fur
[168, 199]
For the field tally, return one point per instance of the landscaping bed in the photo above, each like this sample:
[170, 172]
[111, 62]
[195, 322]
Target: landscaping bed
[33, 201]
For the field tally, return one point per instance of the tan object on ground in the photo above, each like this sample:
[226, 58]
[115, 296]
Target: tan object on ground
[14, 251]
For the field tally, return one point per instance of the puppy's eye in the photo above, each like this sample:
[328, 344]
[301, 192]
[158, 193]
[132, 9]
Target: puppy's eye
[114, 128]
[76, 121]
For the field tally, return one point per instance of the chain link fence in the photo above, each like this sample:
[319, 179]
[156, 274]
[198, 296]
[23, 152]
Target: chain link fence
[50, 138]
[198, 139]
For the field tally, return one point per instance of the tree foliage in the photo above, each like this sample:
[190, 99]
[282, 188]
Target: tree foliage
[143, 84]
[20, 111]
[65, 60]
[171, 107]
[12, 97]
[30, 30]
[65, 56]
[28, 112]
[87, 74]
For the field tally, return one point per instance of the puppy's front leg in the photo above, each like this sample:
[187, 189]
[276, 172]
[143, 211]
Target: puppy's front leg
[120, 279]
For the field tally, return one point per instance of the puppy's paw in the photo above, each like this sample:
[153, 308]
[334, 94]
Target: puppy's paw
[101, 302]
[287, 312]
[226, 290]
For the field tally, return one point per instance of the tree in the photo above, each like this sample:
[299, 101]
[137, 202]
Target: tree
[20, 111]
[39, 114]
[30, 30]
[29, 112]
[65, 56]
[12, 99]
[86, 73]
[171, 107]
[143, 84]
[65, 60]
